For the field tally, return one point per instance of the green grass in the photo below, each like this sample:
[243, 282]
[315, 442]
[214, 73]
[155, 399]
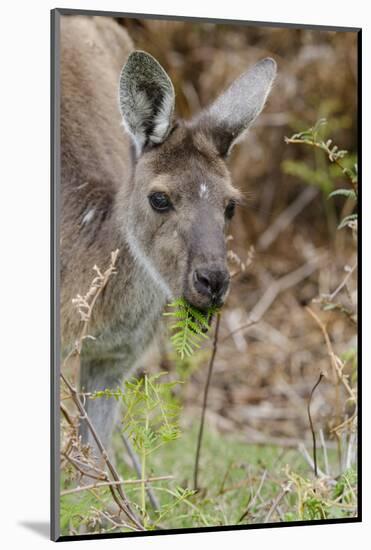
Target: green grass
[231, 473]
[239, 484]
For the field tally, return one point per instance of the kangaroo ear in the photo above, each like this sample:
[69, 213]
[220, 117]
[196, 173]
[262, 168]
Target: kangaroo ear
[233, 111]
[146, 100]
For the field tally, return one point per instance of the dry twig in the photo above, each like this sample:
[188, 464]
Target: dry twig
[311, 424]
[336, 362]
[85, 305]
[282, 284]
[114, 483]
[120, 498]
[286, 217]
[206, 391]
[277, 500]
[255, 497]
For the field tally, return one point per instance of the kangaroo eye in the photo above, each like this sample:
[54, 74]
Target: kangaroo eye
[230, 209]
[160, 201]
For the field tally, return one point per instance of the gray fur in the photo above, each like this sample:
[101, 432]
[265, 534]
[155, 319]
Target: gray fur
[236, 109]
[105, 198]
[146, 99]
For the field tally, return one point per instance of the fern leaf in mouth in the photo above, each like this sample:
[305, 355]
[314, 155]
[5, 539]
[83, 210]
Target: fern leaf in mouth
[190, 326]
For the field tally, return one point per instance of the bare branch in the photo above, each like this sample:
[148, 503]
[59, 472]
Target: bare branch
[286, 217]
[311, 423]
[277, 500]
[255, 497]
[282, 284]
[122, 502]
[206, 391]
[325, 455]
[336, 362]
[308, 458]
[113, 484]
[343, 283]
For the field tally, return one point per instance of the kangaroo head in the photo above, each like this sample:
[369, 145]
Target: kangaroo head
[182, 197]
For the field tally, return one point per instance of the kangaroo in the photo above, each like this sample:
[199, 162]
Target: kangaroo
[137, 179]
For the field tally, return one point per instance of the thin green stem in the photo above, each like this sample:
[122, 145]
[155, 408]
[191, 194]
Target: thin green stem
[332, 159]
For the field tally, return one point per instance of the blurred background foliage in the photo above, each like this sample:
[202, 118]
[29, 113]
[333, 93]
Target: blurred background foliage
[263, 377]
[256, 463]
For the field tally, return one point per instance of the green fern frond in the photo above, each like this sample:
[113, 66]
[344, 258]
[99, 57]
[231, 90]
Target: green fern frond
[190, 327]
[349, 193]
[345, 221]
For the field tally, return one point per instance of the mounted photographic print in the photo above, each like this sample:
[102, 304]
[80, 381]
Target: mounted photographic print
[204, 274]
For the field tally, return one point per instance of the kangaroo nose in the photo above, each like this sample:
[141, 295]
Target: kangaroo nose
[212, 283]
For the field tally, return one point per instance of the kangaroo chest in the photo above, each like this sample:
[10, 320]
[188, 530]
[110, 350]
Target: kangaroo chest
[131, 323]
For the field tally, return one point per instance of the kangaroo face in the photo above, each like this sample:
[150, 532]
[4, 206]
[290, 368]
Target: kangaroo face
[180, 206]
[182, 198]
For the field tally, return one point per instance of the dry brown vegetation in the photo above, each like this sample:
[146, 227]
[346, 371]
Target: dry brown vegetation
[291, 318]
[264, 375]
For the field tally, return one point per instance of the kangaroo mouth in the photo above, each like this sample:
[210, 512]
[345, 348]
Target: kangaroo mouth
[206, 305]
[201, 316]
[207, 288]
